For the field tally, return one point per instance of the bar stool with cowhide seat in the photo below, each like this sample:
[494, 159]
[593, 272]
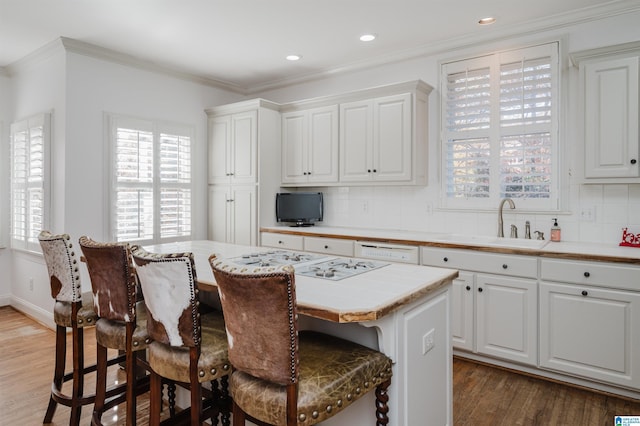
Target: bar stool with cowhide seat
[280, 376]
[187, 347]
[72, 310]
[122, 324]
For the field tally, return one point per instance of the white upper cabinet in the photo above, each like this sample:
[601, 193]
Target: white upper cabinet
[376, 138]
[233, 148]
[609, 80]
[310, 146]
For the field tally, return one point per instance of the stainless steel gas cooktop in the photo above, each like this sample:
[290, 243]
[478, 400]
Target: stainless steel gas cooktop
[310, 264]
[277, 257]
[338, 268]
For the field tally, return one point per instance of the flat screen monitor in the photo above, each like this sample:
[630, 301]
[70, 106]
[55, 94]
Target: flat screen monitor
[299, 208]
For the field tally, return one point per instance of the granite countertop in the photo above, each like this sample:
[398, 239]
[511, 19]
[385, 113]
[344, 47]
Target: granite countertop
[601, 252]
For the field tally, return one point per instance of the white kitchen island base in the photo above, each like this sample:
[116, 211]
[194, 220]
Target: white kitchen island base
[416, 337]
[399, 309]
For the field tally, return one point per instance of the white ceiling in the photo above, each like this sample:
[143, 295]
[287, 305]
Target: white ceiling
[243, 43]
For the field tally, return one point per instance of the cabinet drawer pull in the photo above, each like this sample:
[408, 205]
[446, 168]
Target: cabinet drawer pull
[446, 259]
[468, 288]
[587, 275]
[504, 266]
[280, 242]
[633, 161]
[480, 289]
[585, 293]
[326, 247]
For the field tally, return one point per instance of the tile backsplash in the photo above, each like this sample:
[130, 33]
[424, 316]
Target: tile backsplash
[596, 213]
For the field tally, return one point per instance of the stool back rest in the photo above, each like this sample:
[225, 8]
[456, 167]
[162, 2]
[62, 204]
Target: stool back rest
[113, 279]
[62, 265]
[260, 314]
[168, 283]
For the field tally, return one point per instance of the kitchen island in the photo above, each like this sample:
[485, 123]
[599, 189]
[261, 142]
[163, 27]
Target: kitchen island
[401, 310]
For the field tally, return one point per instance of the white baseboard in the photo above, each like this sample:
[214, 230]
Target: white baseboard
[37, 313]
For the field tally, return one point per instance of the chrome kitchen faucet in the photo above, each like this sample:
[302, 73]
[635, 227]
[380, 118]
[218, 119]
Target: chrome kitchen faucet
[500, 222]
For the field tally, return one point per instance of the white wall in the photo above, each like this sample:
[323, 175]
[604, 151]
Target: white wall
[79, 90]
[5, 120]
[412, 208]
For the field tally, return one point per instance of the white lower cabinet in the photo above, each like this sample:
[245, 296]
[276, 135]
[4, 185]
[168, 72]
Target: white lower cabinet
[332, 246]
[494, 306]
[462, 308]
[589, 330]
[506, 317]
[232, 214]
[282, 241]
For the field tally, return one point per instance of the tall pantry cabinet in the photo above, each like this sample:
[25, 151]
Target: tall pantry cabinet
[244, 165]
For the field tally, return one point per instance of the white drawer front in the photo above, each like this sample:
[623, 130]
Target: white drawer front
[493, 263]
[329, 246]
[283, 241]
[591, 273]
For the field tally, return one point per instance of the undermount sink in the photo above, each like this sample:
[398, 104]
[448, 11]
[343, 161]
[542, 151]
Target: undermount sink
[492, 241]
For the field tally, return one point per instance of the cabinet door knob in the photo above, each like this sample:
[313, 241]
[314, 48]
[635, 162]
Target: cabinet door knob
[280, 242]
[479, 289]
[587, 275]
[304, 173]
[468, 287]
[446, 259]
[504, 266]
[368, 170]
[326, 247]
[375, 171]
[585, 292]
[633, 161]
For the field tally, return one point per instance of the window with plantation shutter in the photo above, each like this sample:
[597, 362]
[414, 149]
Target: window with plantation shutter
[500, 131]
[152, 181]
[29, 180]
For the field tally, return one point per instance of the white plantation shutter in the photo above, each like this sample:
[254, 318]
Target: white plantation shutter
[29, 180]
[499, 130]
[152, 181]
[175, 185]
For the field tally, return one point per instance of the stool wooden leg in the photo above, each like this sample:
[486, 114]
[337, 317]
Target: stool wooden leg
[101, 385]
[155, 396]
[78, 375]
[58, 374]
[382, 408]
[238, 415]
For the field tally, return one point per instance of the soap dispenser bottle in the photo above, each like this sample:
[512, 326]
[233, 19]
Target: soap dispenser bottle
[555, 230]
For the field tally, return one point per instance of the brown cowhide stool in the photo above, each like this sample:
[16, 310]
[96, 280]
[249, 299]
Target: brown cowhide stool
[187, 346]
[122, 323]
[280, 376]
[72, 310]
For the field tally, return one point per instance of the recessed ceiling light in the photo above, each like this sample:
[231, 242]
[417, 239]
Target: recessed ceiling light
[294, 57]
[367, 37]
[487, 21]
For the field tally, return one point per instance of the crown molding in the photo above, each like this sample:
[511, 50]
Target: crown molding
[556, 22]
[99, 52]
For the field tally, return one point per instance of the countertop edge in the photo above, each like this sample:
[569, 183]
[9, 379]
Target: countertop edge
[547, 251]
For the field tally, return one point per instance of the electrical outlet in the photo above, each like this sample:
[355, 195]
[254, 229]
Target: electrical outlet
[587, 214]
[428, 341]
[30, 284]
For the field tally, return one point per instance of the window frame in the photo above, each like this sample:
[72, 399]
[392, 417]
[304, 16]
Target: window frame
[496, 135]
[156, 128]
[26, 242]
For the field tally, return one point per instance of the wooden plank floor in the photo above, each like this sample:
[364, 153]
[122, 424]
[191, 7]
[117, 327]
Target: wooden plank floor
[27, 351]
[485, 395]
[482, 395]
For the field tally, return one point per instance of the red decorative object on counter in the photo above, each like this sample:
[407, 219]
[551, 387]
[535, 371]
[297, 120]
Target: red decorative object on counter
[629, 239]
